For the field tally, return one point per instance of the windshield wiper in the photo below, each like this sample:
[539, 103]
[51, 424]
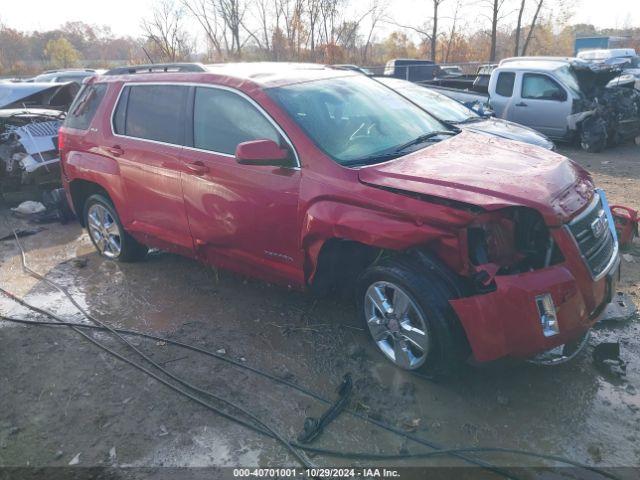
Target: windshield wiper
[397, 152]
[422, 139]
[469, 120]
[381, 157]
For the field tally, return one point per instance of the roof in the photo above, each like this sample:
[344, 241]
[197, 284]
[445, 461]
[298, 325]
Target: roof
[264, 74]
[545, 64]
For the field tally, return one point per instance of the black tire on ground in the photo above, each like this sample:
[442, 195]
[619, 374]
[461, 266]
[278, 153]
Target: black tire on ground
[130, 249]
[593, 135]
[430, 293]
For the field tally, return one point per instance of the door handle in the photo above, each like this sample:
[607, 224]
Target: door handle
[116, 150]
[521, 104]
[197, 168]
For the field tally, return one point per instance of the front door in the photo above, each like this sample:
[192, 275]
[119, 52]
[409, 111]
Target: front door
[543, 104]
[242, 217]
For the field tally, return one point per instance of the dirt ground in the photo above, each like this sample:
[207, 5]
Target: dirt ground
[62, 399]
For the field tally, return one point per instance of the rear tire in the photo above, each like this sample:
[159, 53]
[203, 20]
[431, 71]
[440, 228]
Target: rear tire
[107, 233]
[419, 330]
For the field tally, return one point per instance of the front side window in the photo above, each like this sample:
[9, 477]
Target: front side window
[224, 119]
[153, 112]
[85, 106]
[504, 83]
[569, 79]
[355, 118]
[541, 87]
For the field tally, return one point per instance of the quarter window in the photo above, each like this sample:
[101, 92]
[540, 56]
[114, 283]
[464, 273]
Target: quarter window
[85, 106]
[153, 112]
[223, 119]
[541, 87]
[504, 83]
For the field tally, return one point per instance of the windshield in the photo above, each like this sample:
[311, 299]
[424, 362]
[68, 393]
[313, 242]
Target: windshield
[438, 105]
[354, 117]
[569, 79]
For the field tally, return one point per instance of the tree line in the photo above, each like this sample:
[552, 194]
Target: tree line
[364, 32]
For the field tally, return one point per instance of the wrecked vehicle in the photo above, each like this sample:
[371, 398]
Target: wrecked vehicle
[455, 244]
[567, 99]
[30, 117]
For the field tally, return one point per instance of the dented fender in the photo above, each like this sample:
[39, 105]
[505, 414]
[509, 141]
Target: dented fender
[327, 220]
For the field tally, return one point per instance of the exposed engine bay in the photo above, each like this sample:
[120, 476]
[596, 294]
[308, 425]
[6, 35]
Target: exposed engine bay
[609, 111]
[30, 116]
[29, 148]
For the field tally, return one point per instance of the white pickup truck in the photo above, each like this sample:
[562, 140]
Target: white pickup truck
[564, 98]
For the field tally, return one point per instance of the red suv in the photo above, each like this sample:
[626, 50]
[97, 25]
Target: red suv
[455, 243]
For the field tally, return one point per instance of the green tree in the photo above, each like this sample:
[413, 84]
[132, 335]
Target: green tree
[61, 53]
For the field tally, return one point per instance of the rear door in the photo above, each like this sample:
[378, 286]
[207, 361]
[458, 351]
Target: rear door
[149, 133]
[541, 103]
[242, 217]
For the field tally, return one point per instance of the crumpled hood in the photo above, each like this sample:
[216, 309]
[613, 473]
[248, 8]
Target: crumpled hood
[512, 131]
[30, 95]
[491, 173]
[594, 75]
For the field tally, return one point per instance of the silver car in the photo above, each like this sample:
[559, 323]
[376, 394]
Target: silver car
[451, 111]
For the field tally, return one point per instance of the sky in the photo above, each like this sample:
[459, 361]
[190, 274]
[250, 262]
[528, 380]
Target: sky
[124, 16]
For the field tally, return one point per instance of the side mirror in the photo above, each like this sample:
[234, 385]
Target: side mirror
[262, 152]
[558, 95]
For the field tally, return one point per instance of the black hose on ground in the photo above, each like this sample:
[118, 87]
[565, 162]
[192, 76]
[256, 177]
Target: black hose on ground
[27, 269]
[304, 461]
[263, 429]
[317, 450]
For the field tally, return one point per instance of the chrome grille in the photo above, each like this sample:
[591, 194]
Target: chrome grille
[592, 233]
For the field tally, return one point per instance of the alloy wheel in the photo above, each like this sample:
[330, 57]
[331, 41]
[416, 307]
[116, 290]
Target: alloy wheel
[104, 231]
[397, 325]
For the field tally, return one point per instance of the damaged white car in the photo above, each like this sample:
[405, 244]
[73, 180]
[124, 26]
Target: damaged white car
[567, 99]
[30, 117]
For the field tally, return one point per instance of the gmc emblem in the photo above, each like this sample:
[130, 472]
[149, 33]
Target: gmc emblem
[599, 225]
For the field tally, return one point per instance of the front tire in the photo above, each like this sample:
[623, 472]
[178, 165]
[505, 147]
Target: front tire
[107, 233]
[593, 135]
[405, 307]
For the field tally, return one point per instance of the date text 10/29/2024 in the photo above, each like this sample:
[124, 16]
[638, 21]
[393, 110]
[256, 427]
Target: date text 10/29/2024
[315, 473]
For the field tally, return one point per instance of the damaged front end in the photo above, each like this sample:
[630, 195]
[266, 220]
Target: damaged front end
[29, 148]
[538, 288]
[608, 112]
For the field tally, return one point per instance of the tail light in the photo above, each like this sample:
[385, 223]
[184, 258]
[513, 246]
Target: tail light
[61, 152]
[61, 140]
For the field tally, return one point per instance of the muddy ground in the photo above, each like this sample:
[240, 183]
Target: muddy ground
[62, 399]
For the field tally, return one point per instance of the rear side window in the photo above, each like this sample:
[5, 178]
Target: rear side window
[504, 84]
[223, 119]
[85, 106]
[152, 112]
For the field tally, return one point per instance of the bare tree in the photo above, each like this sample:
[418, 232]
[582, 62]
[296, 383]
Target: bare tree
[434, 28]
[166, 32]
[533, 25]
[223, 24]
[453, 32]
[516, 50]
[497, 14]
[377, 13]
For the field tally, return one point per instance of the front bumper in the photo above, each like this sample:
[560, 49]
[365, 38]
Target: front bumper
[506, 322]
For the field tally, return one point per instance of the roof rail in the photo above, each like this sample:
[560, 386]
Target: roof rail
[535, 58]
[157, 68]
